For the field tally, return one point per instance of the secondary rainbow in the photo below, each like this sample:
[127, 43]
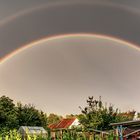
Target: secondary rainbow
[51, 38]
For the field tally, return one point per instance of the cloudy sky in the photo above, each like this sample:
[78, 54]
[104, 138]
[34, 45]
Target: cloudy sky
[58, 74]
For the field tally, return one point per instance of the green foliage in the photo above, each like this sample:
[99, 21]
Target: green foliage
[54, 118]
[66, 135]
[12, 116]
[98, 116]
[95, 116]
[71, 116]
[29, 116]
[8, 116]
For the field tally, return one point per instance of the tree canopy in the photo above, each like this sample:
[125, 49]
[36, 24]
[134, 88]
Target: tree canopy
[96, 115]
[13, 116]
[54, 118]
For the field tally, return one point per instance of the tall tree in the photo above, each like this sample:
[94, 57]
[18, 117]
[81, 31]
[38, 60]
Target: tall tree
[91, 114]
[8, 114]
[12, 116]
[28, 115]
[98, 116]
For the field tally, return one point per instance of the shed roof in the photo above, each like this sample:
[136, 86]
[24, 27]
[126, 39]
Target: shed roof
[131, 133]
[65, 123]
[126, 123]
[32, 129]
[53, 126]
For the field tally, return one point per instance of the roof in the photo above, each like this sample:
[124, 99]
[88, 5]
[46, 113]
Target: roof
[65, 123]
[53, 126]
[126, 123]
[32, 130]
[131, 133]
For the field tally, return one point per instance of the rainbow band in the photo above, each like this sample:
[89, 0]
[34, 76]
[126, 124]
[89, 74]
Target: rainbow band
[22, 48]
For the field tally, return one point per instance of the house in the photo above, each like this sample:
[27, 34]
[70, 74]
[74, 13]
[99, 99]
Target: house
[26, 131]
[65, 124]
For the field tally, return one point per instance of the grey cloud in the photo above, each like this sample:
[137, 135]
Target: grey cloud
[71, 17]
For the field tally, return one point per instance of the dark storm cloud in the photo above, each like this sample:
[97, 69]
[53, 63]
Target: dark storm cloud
[120, 19]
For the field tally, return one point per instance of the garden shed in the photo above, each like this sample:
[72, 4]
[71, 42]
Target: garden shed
[128, 130]
[31, 131]
[65, 124]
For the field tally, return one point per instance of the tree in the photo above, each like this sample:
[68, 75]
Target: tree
[28, 115]
[71, 116]
[91, 114]
[98, 116]
[12, 116]
[53, 118]
[8, 115]
[43, 118]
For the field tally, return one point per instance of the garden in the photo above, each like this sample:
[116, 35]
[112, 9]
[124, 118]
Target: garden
[65, 135]
[95, 116]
